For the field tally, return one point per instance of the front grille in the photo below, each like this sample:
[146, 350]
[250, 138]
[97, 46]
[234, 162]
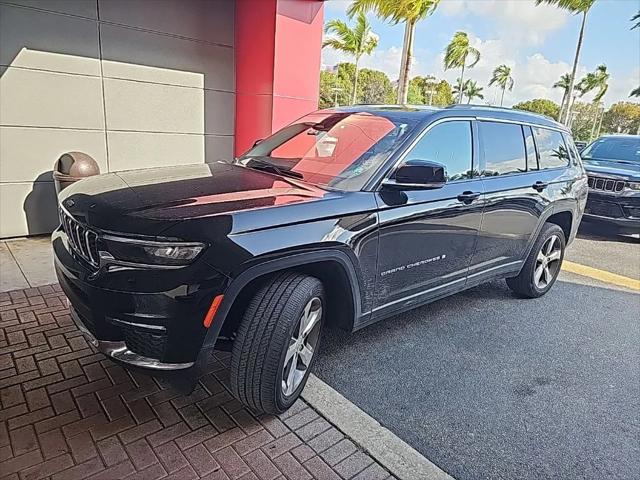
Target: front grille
[143, 343]
[82, 240]
[606, 184]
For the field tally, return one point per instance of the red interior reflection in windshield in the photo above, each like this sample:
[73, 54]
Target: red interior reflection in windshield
[325, 155]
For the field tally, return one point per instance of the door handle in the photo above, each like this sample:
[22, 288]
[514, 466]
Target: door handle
[468, 197]
[539, 186]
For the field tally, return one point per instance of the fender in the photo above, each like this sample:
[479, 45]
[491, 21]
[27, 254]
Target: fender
[551, 210]
[273, 265]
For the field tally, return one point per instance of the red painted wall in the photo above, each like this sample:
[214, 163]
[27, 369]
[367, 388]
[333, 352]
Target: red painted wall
[277, 47]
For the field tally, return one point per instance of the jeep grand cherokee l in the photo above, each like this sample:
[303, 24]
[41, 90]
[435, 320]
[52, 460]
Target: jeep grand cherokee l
[345, 217]
[613, 166]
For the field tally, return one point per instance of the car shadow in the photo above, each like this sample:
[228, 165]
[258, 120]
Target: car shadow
[589, 231]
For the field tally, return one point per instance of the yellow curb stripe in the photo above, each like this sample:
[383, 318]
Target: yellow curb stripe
[601, 275]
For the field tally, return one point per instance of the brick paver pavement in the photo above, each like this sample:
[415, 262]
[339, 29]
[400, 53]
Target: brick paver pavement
[68, 412]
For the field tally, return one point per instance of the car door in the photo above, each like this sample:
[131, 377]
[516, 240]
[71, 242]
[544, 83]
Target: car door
[427, 237]
[514, 198]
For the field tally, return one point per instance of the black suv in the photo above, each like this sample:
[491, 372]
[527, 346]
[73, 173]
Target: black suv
[613, 165]
[343, 218]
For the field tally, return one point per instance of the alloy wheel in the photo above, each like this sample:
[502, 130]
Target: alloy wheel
[547, 262]
[302, 346]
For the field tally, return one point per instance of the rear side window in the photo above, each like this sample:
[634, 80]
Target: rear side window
[448, 143]
[503, 148]
[551, 148]
[573, 152]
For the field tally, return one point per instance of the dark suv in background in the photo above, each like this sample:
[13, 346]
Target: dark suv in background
[613, 165]
[344, 218]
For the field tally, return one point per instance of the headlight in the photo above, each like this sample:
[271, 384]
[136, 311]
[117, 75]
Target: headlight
[635, 186]
[152, 253]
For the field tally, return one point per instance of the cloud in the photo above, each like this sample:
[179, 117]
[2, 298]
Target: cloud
[620, 87]
[517, 25]
[336, 6]
[520, 21]
[533, 75]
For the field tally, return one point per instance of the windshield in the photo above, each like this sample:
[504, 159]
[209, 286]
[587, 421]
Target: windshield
[617, 149]
[341, 150]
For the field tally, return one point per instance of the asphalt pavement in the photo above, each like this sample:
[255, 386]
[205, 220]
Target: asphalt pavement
[614, 253]
[487, 385]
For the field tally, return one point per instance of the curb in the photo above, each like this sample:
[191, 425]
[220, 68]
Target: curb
[402, 460]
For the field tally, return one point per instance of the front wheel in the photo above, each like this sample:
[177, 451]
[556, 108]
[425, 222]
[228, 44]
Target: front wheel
[542, 266]
[277, 341]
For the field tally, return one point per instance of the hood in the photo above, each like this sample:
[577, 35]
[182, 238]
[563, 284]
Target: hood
[151, 201]
[614, 169]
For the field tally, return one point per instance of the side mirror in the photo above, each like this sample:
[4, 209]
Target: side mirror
[416, 174]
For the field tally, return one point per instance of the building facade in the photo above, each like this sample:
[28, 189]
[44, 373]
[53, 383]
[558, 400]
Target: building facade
[143, 83]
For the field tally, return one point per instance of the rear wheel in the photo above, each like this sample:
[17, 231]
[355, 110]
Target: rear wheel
[542, 266]
[277, 342]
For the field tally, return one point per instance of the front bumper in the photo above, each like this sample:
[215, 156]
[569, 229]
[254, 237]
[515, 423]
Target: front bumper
[119, 351]
[621, 211]
[145, 318]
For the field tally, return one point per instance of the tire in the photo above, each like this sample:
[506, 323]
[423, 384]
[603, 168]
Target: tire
[266, 339]
[526, 283]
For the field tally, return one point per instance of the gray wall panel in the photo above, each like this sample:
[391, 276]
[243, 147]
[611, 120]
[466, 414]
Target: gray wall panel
[165, 59]
[83, 8]
[35, 98]
[164, 81]
[32, 39]
[208, 20]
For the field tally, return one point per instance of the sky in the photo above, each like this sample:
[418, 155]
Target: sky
[538, 42]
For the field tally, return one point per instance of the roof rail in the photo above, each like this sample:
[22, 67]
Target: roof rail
[475, 105]
[500, 109]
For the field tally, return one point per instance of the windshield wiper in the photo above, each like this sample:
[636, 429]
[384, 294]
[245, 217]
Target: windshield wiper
[262, 165]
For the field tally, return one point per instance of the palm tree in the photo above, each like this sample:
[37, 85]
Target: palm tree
[356, 41]
[564, 83]
[456, 54]
[636, 91]
[459, 88]
[575, 7]
[502, 77]
[469, 88]
[409, 12]
[472, 90]
[598, 80]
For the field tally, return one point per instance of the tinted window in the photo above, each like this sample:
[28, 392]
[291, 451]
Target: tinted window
[448, 143]
[337, 149]
[573, 152]
[503, 148]
[532, 159]
[624, 149]
[551, 148]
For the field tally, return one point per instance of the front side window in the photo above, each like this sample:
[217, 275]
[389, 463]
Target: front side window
[551, 148]
[503, 148]
[340, 150]
[450, 144]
